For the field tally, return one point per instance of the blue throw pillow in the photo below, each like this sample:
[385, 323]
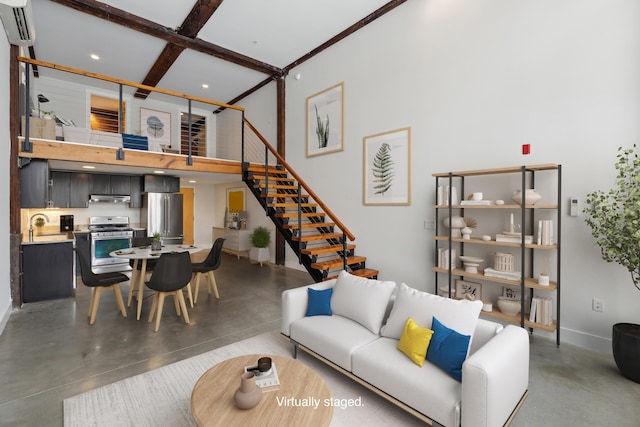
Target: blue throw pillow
[448, 349]
[319, 302]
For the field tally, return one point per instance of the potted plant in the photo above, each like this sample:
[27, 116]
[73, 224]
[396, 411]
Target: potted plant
[156, 242]
[614, 218]
[39, 223]
[260, 239]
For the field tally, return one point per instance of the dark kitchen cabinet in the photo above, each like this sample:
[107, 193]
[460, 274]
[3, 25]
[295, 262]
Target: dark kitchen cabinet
[136, 191]
[83, 244]
[60, 189]
[100, 184]
[79, 190]
[34, 184]
[120, 185]
[47, 271]
[161, 184]
[69, 189]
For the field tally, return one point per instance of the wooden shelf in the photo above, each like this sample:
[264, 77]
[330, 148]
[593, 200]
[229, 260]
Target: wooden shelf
[528, 282]
[497, 314]
[496, 171]
[477, 241]
[541, 206]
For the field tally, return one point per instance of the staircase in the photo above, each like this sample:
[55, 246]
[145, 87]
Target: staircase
[319, 240]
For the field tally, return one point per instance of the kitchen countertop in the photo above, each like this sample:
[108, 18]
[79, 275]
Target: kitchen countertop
[47, 238]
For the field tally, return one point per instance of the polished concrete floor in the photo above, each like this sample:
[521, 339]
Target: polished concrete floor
[49, 352]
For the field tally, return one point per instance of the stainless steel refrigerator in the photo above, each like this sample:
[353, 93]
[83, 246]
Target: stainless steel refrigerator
[162, 213]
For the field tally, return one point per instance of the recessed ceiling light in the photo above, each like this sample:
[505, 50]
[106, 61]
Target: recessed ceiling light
[204, 85]
[158, 171]
[88, 167]
[95, 57]
[192, 181]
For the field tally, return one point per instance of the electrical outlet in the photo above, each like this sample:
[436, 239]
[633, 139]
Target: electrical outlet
[597, 304]
[429, 224]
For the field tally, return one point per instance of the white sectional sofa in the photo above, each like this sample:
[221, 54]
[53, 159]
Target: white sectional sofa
[361, 334]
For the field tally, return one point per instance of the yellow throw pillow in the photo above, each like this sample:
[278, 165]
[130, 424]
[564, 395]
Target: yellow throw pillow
[414, 341]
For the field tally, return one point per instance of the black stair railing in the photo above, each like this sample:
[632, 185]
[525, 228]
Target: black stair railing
[281, 164]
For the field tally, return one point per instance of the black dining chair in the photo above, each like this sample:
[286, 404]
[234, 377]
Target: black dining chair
[100, 282]
[211, 263]
[170, 275]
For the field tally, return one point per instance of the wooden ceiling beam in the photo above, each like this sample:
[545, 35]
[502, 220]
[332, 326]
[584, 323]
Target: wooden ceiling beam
[196, 19]
[137, 23]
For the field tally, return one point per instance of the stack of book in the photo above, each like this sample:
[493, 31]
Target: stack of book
[476, 202]
[541, 310]
[545, 233]
[443, 195]
[508, 275]
[267, 381]
[514, 238]
[444, 258]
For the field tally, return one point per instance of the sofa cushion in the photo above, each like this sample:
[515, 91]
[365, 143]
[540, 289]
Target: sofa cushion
[334, 337]
[427, 389]
[319, 302]
[448, 349]
[362, 300]
[461, 315]
[415, 341]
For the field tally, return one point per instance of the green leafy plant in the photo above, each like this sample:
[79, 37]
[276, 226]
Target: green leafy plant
[614, 216]
[382, 169]
[261, 237]
[39, 222]
[322, 130]
[156, 236]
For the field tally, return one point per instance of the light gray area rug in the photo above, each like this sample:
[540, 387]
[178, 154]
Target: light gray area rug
[162, 397]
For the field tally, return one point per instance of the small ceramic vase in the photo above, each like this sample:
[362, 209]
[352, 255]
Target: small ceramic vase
[466, 233]
[249, 394]
[156, 245]
[531, 197]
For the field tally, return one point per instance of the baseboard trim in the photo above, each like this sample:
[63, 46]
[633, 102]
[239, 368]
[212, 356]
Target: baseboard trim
[5, 319]
[585, 340]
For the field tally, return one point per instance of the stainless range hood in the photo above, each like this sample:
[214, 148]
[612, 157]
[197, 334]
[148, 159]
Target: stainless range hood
[106, 198]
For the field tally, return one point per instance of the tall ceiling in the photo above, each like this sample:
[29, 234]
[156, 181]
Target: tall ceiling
[234, 46]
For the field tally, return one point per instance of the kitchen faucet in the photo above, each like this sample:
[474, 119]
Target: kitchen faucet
[31, 224]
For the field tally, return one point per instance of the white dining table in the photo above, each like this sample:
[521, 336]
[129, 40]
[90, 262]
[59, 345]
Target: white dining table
[141, 255]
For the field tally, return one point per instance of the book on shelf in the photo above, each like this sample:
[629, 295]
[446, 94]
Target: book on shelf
[514, 238]
[443, 195]
[443, 258]
[476, 202]
[541, 310]
[545, 232]
[508, 275]
[267, 381]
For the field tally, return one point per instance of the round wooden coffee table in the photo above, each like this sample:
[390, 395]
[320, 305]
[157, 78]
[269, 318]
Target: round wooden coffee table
[293, 404]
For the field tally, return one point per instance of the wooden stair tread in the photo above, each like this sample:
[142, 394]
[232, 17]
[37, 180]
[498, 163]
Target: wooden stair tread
[319, 250]
[324, 236]
[271, 178]
[337, 262]
[260, 168]
[284, 195]
[294, 225]
[292, 205]
[362, 272]
[295, 214]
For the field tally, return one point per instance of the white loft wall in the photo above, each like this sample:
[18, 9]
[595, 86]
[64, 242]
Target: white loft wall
[5, 143]
[475, 80]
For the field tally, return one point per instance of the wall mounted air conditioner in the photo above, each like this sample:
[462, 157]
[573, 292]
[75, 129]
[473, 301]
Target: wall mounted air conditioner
[17, 18]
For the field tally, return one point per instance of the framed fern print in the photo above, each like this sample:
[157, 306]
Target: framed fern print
[387, 168]
[325, 116]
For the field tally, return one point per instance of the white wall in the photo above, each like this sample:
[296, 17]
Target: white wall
[5, 143]
[475, 80]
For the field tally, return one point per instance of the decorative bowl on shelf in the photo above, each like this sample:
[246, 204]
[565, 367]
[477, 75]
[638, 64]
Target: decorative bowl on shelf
[471, 263]
[509, 307]
[531, 197]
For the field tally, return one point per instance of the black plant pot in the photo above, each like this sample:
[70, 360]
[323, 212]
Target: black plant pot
[626, 349]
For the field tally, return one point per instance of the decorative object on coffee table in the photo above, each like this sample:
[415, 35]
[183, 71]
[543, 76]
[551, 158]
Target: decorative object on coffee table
[248, 394]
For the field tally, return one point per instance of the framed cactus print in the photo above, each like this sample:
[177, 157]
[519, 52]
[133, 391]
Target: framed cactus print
[325, 117]
[387, 168]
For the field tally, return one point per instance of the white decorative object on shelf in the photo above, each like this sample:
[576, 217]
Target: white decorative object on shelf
[466, 233]
[543, 280]
[508, 306]
[503, 261]
[471, 263]
[531, 197]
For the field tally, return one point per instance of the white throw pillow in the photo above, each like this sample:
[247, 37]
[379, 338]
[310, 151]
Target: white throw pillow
[459, 315]
[361, 300]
